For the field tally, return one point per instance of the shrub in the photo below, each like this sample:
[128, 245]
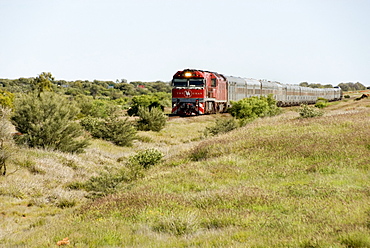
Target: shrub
[6, 98]
[105, 183]
[119, 131]
[306, 111]
[346, 96]
[108, 182]
[254, 107]
[222, 125]
[48, 121]
[321, 104]
[145, 101]
[151, 119]
[146, 158]
[95, 126]
[95, 108]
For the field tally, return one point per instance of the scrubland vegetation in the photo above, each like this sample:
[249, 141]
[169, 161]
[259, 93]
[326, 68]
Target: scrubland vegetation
[280, 181]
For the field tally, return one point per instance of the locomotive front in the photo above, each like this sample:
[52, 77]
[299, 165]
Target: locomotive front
[188, 92]
[197, 92]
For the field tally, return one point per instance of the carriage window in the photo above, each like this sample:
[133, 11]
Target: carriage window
[213, 82]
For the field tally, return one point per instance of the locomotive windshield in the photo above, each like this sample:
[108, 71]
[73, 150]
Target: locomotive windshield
[196, 82]
[186, 83]
[180, 82]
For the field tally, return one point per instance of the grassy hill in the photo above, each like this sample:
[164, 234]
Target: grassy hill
[277, 182]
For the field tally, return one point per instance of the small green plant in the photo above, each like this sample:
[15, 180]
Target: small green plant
[321, 104]
[199, 153]
[66, 203]
[306, 111]
[346, 96]
[151, 119]
[146, 158]
[222, 125]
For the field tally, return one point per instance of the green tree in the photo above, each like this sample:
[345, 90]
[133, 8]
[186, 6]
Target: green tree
[42, 83]
[6, 98]
[352, 86]
[48, 121]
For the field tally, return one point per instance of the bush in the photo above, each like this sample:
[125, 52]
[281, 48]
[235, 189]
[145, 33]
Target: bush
[95, 108]
[146, 158]
[254, 107]
[6, 98]
[105, 183]
[144, 101]
[95, 126]
[222, 125]
[321, 104]
[48, 121]
[308, 112]
[119, 131]
[151, 119]
[108, 182]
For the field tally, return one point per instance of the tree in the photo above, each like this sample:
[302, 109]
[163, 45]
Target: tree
[48, 121]
[352, 86]
[6, 98]
[42, 83]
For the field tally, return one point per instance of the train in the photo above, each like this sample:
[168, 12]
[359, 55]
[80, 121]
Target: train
[199, 92]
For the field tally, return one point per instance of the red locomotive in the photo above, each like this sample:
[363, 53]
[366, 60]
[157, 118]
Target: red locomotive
[198, 92]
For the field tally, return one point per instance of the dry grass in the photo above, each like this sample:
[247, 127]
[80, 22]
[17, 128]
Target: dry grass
[277, 182]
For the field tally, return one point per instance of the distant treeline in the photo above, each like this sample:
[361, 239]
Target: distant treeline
[344, 86]
[96, 88]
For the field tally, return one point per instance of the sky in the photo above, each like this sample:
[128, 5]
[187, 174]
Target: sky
[289, 41]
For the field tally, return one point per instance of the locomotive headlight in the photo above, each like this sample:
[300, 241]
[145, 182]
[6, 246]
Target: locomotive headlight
[188, 74]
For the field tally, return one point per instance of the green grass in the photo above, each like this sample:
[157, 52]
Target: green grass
[277, 182]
